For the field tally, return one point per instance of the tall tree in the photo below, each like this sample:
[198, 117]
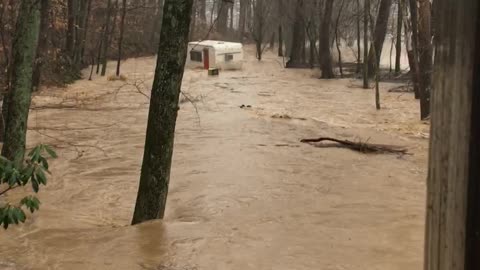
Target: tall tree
[157, 23]
[24, 53]
[120, 38]
[359, 38]
[412, 51]
[381, 26]
[425, 50]
[398, 44]
[164, 100]
[259, 25]
[242, 19]
[81, 33]
[366, 19]
[324, 51]
[202, 11]
[70, 40]
[106, 37]
[295, 53]
[222, 19]
[42, 45]
[452, 239]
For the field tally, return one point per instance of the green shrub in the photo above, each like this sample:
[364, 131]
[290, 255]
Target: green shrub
[20, 173]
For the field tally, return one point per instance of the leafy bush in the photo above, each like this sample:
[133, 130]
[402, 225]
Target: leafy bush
[19, 173]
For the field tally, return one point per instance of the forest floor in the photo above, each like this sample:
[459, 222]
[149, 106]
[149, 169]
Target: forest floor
[244, 193]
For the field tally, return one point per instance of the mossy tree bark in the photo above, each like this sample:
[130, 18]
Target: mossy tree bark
[157, 159]
[25, 45]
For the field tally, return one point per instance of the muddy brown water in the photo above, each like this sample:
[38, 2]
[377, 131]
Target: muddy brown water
[244, 193]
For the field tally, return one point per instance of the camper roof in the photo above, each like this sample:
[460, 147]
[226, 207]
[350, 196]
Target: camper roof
[217, 44]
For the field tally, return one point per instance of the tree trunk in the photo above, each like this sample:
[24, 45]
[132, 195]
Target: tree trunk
[425, 50]
[280, 41]
[242, 19]
[325, 55]
[202, 10]
[106, 38]
[337, 38]
[413, 53]
[366, 18]
[85, 32]
[193, 22]
[359, 40]
[70, 40]
[157, 159]
[381, 27]
[83, 12]
[230, 25]
[452, 240]
[120, 39]
[157, 24]
[298, 29]
[398, 45]
[24, 53]
[222, 19]
[42, 45]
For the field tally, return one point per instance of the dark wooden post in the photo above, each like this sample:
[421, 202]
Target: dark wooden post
[453, 199]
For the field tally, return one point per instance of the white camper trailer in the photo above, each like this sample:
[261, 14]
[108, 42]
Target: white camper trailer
[215, 54]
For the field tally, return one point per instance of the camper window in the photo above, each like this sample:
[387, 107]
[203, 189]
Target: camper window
[228, 57]
[196, 56]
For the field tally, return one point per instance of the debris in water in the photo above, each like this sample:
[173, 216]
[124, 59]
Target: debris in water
[286, 116]
[365, 148]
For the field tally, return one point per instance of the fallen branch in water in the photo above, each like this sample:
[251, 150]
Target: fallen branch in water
[359, 146]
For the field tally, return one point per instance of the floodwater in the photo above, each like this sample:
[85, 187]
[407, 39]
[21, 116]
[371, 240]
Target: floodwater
[245, 193]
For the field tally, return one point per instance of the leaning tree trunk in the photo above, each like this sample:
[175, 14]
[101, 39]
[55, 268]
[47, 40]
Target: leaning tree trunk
[452, 239]
[325, 55]
[106, 34]
[157, 159]
[425, 50]
[381, 26]
[24, 53]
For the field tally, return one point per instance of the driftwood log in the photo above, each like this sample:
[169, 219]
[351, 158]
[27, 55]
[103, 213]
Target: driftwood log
[358, 146]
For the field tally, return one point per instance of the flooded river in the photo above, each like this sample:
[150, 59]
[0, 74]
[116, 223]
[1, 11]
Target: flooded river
[245, 193]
